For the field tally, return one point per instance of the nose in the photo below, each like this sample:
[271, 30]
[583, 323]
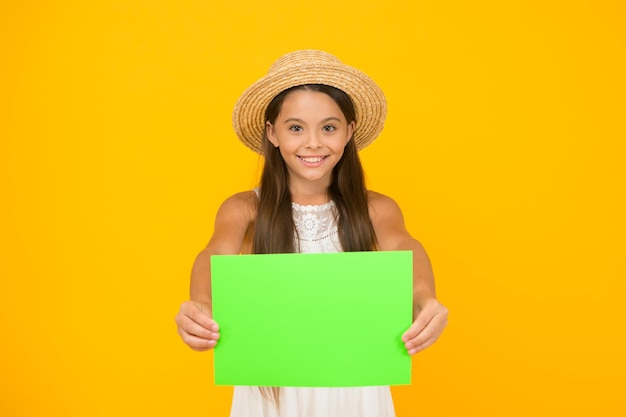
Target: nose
[313, 140]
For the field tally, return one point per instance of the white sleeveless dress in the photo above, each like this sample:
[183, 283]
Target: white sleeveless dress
[317, 232]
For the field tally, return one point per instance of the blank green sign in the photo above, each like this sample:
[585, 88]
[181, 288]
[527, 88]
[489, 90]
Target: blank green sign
[312, 320]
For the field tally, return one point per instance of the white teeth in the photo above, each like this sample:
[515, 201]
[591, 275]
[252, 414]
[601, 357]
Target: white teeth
[312, 160]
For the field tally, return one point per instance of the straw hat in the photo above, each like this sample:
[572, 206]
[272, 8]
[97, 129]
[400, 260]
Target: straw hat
[310, 67]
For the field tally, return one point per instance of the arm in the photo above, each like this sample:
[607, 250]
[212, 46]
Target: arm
[194, 319]
[430, 316]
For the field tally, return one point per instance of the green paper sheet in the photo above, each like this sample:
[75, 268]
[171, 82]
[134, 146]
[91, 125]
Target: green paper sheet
[312, 320]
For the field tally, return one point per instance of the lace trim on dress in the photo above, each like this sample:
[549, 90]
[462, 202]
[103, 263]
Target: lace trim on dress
[317, 227]
[320, 207]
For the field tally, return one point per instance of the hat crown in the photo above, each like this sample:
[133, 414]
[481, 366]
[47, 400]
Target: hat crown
[306, 57]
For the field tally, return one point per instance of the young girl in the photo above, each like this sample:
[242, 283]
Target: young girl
[308, 117]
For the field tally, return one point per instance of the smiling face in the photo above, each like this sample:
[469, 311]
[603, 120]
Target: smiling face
[311, 132]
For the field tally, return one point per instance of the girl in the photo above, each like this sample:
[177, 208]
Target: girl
[308, 117]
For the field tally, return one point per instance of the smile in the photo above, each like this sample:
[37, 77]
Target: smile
[312, 159]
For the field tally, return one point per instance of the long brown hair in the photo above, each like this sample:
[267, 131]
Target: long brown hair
[274, 228]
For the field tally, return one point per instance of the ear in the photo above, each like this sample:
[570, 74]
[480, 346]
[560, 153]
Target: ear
[271, 134]
[350, 132]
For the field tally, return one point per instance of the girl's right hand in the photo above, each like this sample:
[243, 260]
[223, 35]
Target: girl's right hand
[196, 327]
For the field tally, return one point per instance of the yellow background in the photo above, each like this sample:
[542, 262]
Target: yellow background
[504, 145]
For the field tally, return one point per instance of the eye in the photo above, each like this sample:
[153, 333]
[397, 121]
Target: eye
[329, 128]
[295, 128]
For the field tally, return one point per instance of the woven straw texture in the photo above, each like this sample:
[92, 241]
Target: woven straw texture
[310, 67]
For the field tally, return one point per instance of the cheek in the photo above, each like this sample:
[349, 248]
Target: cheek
[285, 150]
[339, 151]
[340, 146]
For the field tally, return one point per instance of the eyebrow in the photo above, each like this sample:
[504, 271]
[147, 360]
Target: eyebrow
[328, 119]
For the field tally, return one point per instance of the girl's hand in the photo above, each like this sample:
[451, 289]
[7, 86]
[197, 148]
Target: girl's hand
[196, 327]
[427, 327]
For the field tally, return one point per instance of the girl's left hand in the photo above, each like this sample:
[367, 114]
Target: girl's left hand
[427, 327]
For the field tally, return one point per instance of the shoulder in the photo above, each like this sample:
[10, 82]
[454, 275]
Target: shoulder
[387, 221]
[382, 206]
[245, 198]
[232, 223]
[240, 208]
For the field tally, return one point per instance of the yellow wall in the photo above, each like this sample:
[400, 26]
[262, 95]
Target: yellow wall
[505, 146]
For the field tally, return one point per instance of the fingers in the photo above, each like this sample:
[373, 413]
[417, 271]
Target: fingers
[426, 337]
[199, 314]
[426, 329]
[197, 329]
[417, 327]
[193, 328]
[197, 343]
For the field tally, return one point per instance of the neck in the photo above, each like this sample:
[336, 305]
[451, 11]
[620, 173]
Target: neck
[311, 194]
